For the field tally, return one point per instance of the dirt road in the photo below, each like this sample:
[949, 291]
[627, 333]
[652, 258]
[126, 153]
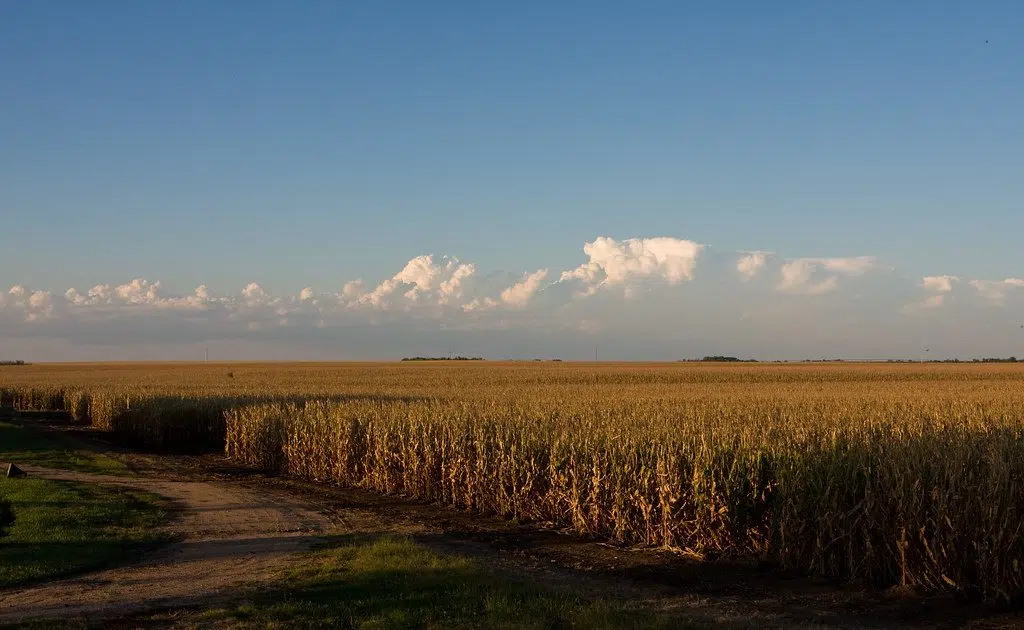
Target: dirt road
[227, 539]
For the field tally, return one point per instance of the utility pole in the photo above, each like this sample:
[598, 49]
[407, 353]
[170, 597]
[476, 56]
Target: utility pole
[207, 355]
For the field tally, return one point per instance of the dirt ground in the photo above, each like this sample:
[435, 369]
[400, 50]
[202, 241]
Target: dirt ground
[226, 537]
[235, 531]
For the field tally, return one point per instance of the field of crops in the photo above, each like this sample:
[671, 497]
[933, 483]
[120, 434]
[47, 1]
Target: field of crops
[907, 475]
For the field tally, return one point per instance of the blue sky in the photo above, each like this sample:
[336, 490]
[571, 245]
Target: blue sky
[314, 143]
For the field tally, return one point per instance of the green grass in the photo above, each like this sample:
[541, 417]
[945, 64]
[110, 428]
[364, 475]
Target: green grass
[61, 528]
[395, 583]
[23, 444]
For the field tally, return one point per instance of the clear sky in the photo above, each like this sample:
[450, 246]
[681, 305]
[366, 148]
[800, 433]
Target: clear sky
[311, 144]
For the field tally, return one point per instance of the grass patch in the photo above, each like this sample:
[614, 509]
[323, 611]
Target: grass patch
[60, 528]
[395, 583]
[23, 444]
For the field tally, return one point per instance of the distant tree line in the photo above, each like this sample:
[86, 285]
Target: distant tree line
[443, 359]
[982, 360]
[13, 363]
[719, 359]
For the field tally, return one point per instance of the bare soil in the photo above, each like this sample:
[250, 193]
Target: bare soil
[236, 531]
[226, 538]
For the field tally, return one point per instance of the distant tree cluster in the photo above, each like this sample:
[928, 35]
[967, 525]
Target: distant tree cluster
[13, 363]
[718, 358]
[443, 359]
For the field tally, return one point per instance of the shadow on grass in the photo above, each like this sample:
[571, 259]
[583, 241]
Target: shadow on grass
[781, 597]
[370, 581]
[62, 528]
[6, 516]
[29, 442]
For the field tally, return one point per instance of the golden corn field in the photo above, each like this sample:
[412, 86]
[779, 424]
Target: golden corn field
[889, 474]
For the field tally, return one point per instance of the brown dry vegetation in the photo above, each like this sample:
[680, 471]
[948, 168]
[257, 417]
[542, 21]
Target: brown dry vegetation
[891, 474]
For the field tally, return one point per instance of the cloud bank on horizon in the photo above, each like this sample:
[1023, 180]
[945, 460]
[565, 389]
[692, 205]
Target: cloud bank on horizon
[638, 292]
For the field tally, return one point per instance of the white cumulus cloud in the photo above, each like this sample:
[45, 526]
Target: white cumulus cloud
[422, 280]
[29, 305]
[518, 295]
[817, 276]
[997, 290]
[751, 263]
[939, 284]
[621, 263]
[652, 289]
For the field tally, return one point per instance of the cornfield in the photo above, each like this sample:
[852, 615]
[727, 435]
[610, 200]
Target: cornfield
[884, 474]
